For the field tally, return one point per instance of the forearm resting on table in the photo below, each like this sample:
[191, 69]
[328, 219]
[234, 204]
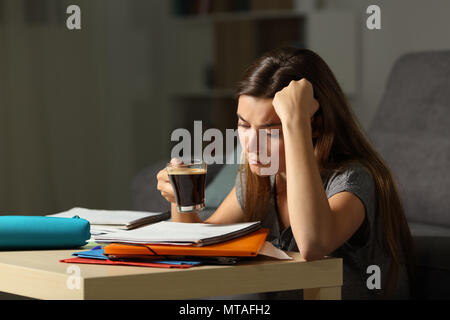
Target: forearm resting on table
[309, 211]
[189, 217]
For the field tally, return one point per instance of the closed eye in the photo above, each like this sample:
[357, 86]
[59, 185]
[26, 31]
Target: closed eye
[243, 125]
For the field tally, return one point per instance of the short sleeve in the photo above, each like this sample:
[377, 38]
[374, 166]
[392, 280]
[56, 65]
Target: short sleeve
[358, 180]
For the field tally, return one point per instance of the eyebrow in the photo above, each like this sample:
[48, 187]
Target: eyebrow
[266, 125]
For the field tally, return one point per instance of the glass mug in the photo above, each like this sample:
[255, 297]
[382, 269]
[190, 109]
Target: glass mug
[188, 181]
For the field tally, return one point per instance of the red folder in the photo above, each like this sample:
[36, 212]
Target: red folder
[126, 263]
[245, 246]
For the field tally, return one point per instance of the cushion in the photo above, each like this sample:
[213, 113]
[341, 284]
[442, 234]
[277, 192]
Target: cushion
[411, 132]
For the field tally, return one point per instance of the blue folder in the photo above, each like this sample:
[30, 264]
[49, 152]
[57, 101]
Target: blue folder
[94, 253]
[36, 232]
[98, 253]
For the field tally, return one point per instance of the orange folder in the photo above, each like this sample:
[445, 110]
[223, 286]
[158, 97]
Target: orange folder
[245, 246]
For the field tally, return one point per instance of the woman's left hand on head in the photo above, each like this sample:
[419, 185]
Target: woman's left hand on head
[296, 102]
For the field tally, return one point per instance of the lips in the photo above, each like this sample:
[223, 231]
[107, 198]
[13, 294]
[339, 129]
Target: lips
[257, 163]
[253, 160]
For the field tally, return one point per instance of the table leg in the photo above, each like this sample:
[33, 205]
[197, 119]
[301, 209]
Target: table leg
[329, 293]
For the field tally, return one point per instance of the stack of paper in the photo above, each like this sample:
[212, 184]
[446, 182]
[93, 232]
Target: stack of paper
[249, 245]
[180, 245]
[111, 219]
[166, 232]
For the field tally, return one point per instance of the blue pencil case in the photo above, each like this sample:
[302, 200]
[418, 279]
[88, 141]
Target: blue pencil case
[36, 232]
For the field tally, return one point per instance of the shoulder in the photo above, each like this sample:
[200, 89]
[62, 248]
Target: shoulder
[354, 174]
[354, 178]
[358, 180]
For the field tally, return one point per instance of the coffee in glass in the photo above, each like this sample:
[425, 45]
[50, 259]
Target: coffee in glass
[188, 181]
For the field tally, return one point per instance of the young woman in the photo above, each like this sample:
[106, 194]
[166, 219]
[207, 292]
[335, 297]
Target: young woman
[332, 194]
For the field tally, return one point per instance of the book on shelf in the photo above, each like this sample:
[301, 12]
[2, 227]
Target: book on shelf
[202, 7]
[235, 50]
[259, 5]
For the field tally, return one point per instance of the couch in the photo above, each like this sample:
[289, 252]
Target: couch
[411, 130]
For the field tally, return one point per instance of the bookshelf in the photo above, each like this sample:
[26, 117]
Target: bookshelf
[188, 8]
[236, 16]
[217, 40]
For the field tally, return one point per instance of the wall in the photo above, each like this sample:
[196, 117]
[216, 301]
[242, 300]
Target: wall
[68, 105]
[79, 140]
[407, 25]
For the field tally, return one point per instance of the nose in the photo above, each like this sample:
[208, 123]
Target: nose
[252, 145]
[251, 141]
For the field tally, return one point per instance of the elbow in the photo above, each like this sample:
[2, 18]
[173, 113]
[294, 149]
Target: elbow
[311, 252]
[308, 256]
[312, 246]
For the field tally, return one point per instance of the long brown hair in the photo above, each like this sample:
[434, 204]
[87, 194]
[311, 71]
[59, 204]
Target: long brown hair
[340, 141]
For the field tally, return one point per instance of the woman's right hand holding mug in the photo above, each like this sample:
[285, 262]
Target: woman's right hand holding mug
[164, 186]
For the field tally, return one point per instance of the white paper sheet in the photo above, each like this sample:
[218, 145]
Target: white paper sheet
[269, 250]
[176, 232]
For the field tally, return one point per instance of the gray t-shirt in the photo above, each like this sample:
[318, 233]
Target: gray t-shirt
[362, 250]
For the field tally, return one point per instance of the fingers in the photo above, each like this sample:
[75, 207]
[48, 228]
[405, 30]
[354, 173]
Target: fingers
[164, 186]
[162, 175]
[167, 192]
[301, 82]
[169, 197]
[176, 161]
[316, 105]
[307, 84]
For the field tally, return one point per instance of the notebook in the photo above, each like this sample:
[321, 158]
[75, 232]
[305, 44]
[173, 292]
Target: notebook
[105, 219]
[167, 232]
[244, 246]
